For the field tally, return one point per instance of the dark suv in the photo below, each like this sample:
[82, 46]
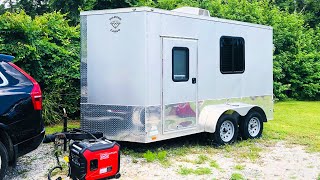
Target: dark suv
[21, 124]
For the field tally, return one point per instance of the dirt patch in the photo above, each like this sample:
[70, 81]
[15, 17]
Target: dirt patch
[34, 165]
[278, 161]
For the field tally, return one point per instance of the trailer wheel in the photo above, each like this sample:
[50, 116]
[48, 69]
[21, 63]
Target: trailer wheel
[251, 126]
[3, 160]
[226, 130]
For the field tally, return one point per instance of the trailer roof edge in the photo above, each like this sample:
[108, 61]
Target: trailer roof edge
[161, 11]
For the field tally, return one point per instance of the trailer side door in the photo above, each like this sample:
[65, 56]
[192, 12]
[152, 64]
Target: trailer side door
[179, 83]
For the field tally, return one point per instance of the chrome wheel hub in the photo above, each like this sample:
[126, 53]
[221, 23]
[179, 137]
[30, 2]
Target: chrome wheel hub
[227, 131]
[254, 127]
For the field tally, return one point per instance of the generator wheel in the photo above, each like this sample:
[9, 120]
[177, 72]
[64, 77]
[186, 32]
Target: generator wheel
[3, 160]
[226, 130]
[251, 126]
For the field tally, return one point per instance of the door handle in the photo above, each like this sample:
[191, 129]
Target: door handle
[194, 80]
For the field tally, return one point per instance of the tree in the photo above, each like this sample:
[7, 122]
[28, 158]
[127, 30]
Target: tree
[48, 49]
[109, 4]
[34, 7]
[309, 8]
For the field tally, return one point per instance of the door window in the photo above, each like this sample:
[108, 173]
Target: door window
[180, 64]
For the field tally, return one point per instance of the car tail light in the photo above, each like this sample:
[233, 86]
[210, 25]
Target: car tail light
[36, 94]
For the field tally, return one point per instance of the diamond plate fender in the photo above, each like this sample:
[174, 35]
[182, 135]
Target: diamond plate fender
[210, 115]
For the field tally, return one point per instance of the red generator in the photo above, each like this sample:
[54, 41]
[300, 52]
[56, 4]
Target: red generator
[94, 159]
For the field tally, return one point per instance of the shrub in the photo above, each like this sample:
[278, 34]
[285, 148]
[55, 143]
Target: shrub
[48, 49]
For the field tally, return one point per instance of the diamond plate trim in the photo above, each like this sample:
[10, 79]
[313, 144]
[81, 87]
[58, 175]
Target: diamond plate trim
[121, 123]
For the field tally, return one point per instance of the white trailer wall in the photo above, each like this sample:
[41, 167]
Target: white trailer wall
[122, 74]
[257, 79]
[116, 60]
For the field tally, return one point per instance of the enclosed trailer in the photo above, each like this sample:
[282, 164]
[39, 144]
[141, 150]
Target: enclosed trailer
[149, 74]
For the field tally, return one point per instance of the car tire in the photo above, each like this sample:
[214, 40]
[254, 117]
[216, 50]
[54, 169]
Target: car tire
[226, 130]
[251, 126]
[3, 160]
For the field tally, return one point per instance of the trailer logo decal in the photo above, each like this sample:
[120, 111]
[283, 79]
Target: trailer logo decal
[115, 22]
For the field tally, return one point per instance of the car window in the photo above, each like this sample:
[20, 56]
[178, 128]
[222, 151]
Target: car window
[3, 80]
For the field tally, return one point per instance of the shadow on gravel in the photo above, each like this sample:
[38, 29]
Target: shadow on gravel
[195, 140]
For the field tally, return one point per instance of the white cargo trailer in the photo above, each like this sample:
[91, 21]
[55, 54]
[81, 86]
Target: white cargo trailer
[149, 74]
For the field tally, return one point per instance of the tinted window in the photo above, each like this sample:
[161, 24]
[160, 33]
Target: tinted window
[180, 64]
[232, 52]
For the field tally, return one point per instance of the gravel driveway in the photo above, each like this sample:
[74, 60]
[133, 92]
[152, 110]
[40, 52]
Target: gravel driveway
[278, 161]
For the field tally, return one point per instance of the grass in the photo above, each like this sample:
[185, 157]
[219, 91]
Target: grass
[297, 122]
[59, 127]
[150, 156]
[160, 156]
[239, 167]
[242, 150]
[237, 176]
[185, 171]
[319, 177]
[199, 171]
[214, 164]
[202, 171]
[201, 159]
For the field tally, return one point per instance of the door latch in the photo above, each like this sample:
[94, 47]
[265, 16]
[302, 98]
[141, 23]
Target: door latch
[194, 80]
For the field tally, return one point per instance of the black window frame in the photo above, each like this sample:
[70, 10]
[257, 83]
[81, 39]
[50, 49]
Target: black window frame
[244, 55]
[188, 64]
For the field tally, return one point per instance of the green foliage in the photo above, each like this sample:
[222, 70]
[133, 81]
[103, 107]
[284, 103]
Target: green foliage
[202, 171]
[199, 171]
[150, 156]
[239, 167]
[2, 9]
[185, 171]
[237, 176]
[296, 122]
[110, 4]
[50, 129]
[214, 164]
[310, 9]
[34, 7]
[201, 159]
[161, 156]
[47, 48]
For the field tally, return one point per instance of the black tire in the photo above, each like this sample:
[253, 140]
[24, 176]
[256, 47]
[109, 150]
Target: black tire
[4, 160]
[244, 125]
[217, 135]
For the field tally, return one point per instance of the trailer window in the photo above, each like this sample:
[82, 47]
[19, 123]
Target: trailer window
[180, 64]
[232, 51]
